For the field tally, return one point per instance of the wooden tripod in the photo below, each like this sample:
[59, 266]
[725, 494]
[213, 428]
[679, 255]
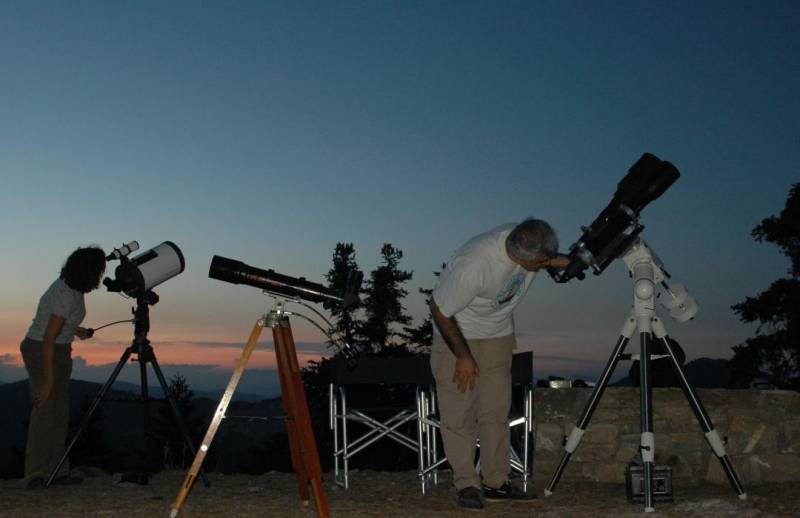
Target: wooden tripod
[305, 458]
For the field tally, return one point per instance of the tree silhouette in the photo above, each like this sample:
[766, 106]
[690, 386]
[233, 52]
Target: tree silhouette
[421, 336]
[174, 450]
[380, 326]
[383, 304]
[344, 267]
[775, 352]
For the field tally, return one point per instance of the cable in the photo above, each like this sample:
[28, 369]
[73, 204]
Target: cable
[90, 331]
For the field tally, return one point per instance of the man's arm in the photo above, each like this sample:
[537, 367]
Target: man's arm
[466, 370]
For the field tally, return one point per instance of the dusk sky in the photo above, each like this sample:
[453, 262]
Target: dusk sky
[269, 131]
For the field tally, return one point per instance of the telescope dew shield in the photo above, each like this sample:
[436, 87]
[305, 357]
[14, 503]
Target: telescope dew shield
[617, 226]
[237, 272]
[147, 270]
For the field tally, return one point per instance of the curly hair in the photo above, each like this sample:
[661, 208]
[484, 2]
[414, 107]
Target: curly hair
[83, 268]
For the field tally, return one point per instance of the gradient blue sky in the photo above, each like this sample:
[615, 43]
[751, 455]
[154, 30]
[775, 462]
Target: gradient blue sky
[269, 131]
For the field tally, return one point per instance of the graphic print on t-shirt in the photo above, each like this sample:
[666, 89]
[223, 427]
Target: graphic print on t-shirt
[511, 290]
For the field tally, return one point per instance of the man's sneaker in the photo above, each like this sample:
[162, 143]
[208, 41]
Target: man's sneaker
[470, 498]
[505, 492]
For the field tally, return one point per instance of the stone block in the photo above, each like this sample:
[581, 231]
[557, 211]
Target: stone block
[661, 426]
[761, 429]
[747, 436]
[714, 472]
[629, 447]
[605, 434]
[687, 442]
[685, 468]
[777, 467]
[593, 453]
[790, 442]
[610, 472]
[549, 437]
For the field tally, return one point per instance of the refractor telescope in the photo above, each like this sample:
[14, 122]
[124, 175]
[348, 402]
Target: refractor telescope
[617, 227]
[295, 288]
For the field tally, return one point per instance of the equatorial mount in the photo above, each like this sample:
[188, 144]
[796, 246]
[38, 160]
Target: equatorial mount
[647, 273]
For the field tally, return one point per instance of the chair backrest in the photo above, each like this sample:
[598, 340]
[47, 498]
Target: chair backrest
[411, 370]
[522, 368]
[393, 370]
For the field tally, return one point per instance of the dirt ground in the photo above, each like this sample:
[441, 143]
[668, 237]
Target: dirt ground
[371, 494]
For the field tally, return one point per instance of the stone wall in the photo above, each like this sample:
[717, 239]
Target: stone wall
[762, 428]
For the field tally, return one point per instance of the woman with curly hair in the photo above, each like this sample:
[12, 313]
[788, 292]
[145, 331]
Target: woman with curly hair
[46, 351]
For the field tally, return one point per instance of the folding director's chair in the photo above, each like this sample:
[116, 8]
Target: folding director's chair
[400, 370]
[415, 370]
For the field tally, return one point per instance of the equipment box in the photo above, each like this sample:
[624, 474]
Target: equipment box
[662, 483]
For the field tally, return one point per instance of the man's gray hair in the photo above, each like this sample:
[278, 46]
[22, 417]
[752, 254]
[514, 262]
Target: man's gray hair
[531, 237]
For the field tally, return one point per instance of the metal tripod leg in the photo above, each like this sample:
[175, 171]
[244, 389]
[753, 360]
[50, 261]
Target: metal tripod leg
[647, 445]
[176, 411]
[88, 417]
[580, 428]
[712, 437]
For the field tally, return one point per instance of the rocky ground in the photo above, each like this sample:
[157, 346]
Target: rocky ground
[372, 494]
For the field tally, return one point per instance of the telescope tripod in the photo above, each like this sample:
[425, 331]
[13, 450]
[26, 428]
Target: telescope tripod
[144, 354]
[303, 447]
[646, 273]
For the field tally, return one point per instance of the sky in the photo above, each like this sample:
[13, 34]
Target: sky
[269, 131]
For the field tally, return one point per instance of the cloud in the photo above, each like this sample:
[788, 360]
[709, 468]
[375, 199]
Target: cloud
[8, 359]
[10, 371]
[299, 346]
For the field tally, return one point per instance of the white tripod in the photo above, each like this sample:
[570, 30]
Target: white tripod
[647, 272]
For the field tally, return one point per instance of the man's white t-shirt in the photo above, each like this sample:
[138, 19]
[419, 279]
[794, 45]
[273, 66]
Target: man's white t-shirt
[481, 286]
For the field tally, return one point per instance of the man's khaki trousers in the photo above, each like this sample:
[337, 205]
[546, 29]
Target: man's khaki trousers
[478, 414]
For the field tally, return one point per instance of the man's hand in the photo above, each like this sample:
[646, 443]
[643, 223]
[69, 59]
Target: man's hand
[466, 373]
[559, 262]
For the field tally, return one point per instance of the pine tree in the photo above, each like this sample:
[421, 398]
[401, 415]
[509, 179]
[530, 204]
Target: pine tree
[344, 267]
[383, 305]
[167, 432]
[421, 336]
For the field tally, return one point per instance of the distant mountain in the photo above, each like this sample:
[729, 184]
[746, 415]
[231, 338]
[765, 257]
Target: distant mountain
[709, 373]
[118, 422]
[701, 373]
[156, 392]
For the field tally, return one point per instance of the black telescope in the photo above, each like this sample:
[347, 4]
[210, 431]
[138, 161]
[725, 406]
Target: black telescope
[237, 272]
[617, 227]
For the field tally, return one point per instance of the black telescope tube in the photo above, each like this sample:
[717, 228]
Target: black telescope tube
[237, 272]
[617, 226]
